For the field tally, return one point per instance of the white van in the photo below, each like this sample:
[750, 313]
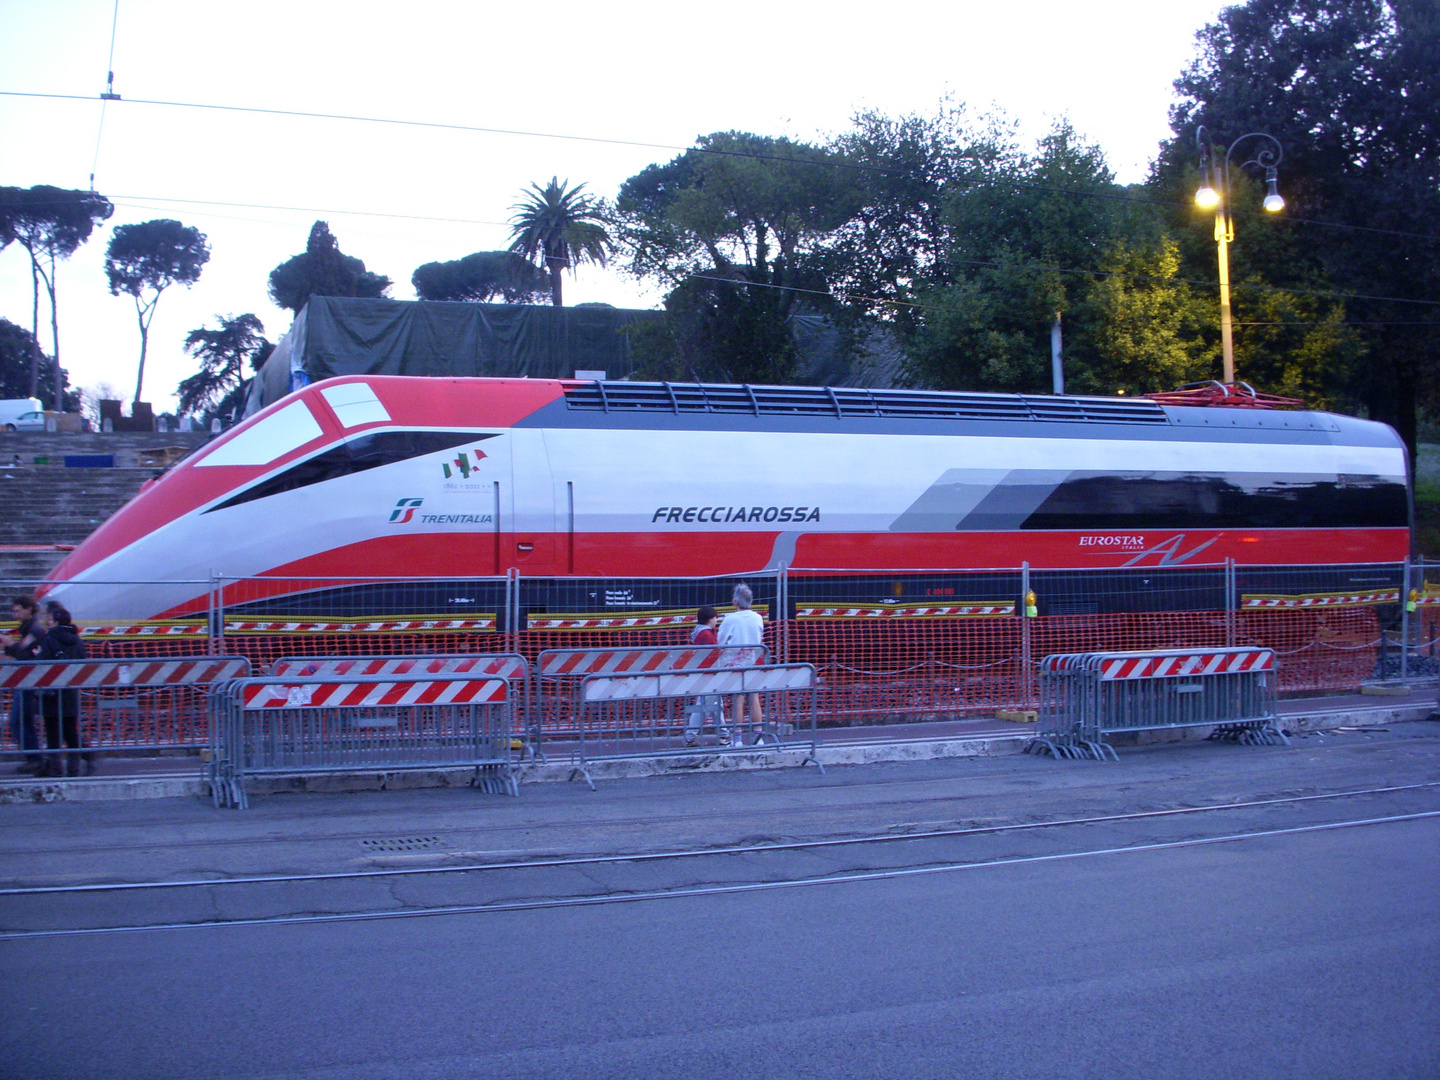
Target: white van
[11, 409]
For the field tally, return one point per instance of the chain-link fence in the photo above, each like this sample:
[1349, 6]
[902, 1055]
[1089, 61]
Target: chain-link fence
[888, 648]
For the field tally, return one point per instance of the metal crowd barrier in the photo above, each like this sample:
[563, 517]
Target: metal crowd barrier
[1086, 696]
[670, 712]
[558, 673]
[340, 723]
[125, 704]
[512, 667]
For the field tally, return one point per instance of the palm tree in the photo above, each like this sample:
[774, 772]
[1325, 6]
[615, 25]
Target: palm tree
[558, 227]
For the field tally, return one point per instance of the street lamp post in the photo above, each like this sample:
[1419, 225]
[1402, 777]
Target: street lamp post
[1215, 193]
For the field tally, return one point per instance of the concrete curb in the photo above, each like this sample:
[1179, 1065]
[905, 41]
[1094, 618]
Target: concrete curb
[102, 789]
[178, 785]
[1377, 715]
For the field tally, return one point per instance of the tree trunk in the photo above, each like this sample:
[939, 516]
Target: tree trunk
[144, 340]
[34, 327]
[555, 267]
[59, 404]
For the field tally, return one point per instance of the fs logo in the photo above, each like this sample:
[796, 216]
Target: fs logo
[462, 465]
[404, 511]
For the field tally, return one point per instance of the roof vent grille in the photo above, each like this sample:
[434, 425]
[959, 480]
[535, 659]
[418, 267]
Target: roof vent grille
[847, 401]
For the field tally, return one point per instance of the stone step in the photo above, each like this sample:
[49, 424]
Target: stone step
[53, 504]
[20, 570]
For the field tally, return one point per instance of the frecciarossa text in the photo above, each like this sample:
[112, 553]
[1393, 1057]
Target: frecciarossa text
[667, 514]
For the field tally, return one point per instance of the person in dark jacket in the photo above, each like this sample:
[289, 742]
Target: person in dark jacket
[23, 645]
[61, 708]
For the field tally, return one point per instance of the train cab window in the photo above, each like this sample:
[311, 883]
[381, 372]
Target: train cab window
[368, 451]
[261, 443]
[355, 404]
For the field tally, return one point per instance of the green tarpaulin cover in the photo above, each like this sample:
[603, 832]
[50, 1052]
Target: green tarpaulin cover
[340, 336]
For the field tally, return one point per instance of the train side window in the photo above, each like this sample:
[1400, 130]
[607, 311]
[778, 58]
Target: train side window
[355, 404]
[368, 451]
[275, 436]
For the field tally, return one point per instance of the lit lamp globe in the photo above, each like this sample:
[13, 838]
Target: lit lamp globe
[1274, 202]
[1207, 198]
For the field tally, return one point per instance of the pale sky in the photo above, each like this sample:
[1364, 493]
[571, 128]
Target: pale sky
[644, 72]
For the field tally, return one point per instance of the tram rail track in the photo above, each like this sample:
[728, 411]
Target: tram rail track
[492, 828]
[537, 884]
[698, 891]
[889, 837]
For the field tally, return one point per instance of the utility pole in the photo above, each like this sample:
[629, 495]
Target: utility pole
[1057, 365]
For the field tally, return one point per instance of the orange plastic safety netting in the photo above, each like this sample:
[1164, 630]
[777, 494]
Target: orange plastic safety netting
[927, 669]
[872, 670]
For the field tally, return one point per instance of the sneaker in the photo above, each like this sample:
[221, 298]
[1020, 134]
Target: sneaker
[724, 738]
[691, 740]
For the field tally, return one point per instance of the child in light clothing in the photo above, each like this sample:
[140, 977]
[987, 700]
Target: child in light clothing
[707, 706]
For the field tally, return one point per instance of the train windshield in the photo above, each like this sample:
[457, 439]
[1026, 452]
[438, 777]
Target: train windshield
[273, 437]
[364, 452]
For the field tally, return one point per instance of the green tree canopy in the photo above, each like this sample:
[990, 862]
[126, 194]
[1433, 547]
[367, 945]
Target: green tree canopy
[50, 223]
[144, 260]
[904, 168]
[480, 277]
[737, 229]
[17, 346]
[1351, 88]
[1032, 237]
[738, 206]
[558, 227]
[222, 352]
[323, 270]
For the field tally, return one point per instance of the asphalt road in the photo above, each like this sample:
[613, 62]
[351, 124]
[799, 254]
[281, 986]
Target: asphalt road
[1291, 936]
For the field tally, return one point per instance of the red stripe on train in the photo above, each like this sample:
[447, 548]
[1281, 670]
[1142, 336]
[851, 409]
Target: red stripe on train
[703, 554]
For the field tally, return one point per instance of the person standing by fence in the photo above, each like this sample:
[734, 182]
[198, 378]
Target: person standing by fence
[707, 705]
[61, 708]
[743, 626]
[23, 645]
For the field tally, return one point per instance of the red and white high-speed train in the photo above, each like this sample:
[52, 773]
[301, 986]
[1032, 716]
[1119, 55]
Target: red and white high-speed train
[417, 477]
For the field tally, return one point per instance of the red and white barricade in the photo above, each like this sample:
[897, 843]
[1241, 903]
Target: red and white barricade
[128, 704]
[511, 666]
[577, 663]
[558, 673]
[1186, 662]
[137, 673]
[624, 714]
[321, 694]
[361, 723]
[1086, 696]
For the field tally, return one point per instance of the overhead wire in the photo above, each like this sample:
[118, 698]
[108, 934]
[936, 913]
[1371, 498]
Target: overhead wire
[1025, 267]
[1051, 269]
[829, 162]
[833, 162]
[106, 97]
[1343, 322]
[306, 209]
